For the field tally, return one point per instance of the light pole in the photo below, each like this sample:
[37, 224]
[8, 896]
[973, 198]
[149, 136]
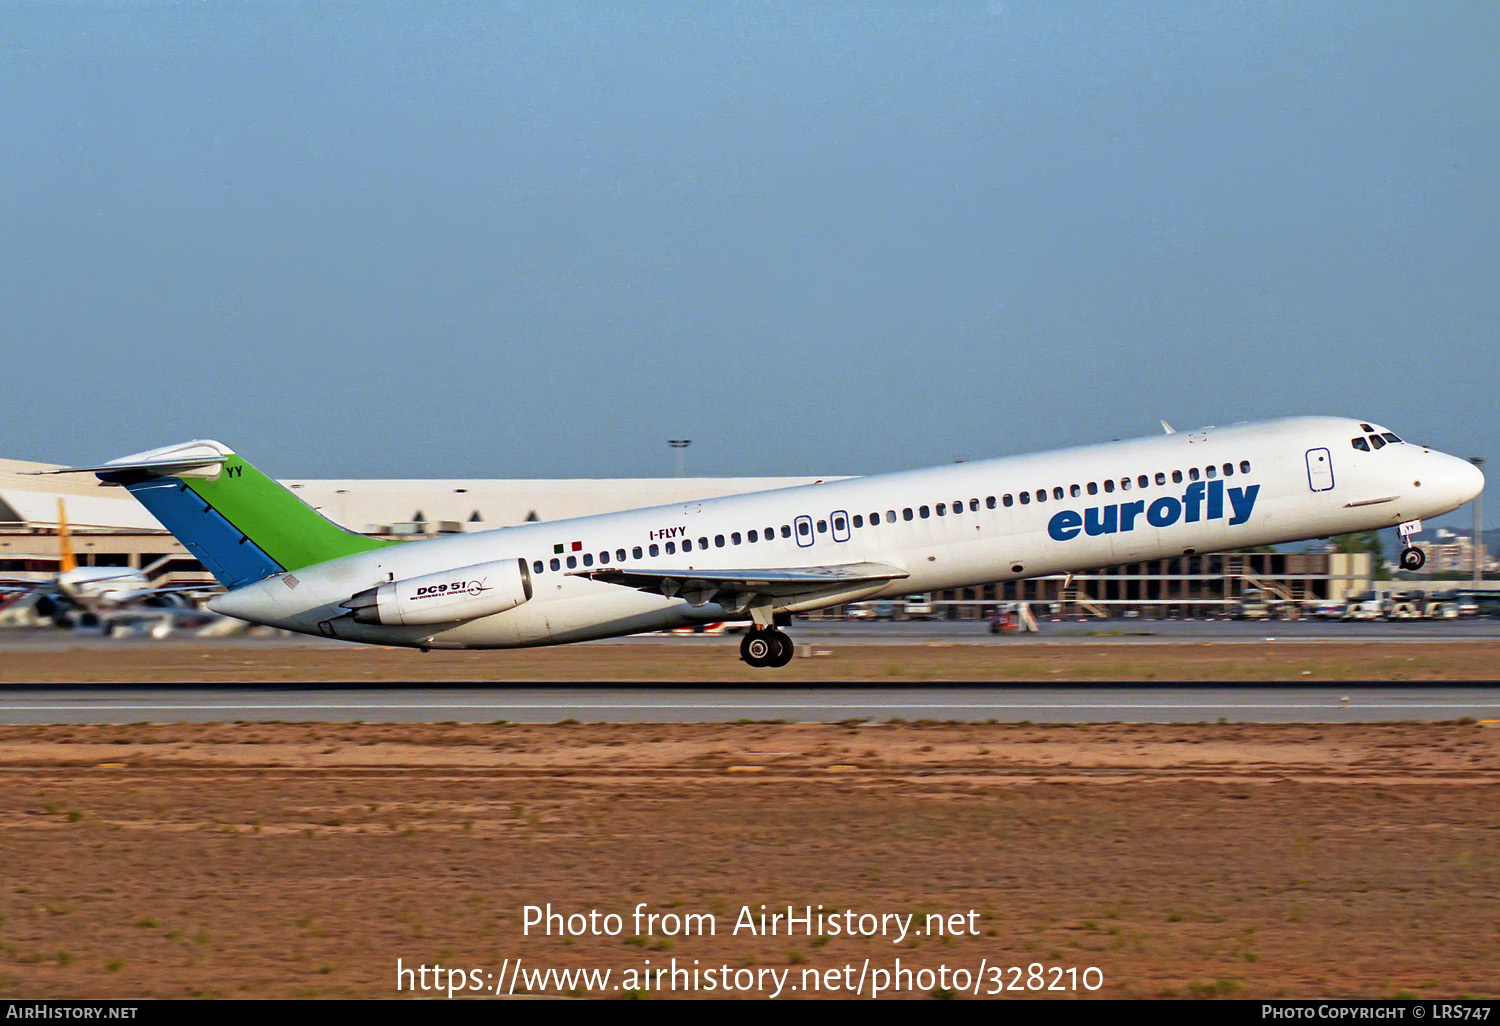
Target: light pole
[1478, 545]
[679, 444]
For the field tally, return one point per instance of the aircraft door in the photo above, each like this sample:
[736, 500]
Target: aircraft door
[802, 531]
[839, 520]
[1320, 470]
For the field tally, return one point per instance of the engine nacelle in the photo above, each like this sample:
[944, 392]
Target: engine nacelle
[464, 593]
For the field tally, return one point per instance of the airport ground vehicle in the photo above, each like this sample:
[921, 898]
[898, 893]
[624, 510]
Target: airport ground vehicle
[1365, 605]
[1253, 606]
[917, 607]
[1328, 610]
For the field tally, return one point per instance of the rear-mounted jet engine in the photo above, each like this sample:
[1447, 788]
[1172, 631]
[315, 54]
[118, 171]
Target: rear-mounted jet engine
[465, 593]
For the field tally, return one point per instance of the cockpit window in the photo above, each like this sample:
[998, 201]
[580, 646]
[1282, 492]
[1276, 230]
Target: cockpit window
[1390, 437]
[1366, 427]
[1360, 444]
[1377, 441]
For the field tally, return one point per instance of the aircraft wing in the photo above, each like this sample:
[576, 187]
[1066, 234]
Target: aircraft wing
[737, 589]
[8, 584]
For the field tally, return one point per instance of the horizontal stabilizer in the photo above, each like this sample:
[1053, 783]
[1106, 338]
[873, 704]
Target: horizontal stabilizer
[199, 458]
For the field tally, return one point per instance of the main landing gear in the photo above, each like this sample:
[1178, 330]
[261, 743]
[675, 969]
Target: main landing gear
[1412, 558]
[766, 646]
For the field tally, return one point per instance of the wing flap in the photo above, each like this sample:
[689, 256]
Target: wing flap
[739, 589]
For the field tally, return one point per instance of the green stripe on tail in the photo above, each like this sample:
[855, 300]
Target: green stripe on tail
[287, 529]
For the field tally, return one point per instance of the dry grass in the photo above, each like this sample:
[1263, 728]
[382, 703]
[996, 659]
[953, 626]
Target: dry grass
[300, 860]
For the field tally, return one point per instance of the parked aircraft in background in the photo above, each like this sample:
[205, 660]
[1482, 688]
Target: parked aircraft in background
[763, 556]
[101, 596]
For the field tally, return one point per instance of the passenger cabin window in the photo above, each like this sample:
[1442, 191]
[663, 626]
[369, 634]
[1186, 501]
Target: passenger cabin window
[604, 556]
[890, 516]
[687, 545]
[572, 562]
[1143, 481]
[1041, 495]
[786, 532]
[1008, 500]
[804, 529]
[1075, 491]
[752, 537]
[703, 543]
[1057, 493]
[555, 564]
[859, 521]
[838, 524]
[1244, 466]
[1229, 470]
[1093, 488]
[1109, 485]
[1124, 484]
[941, 509]
[1177, 477]
[1210, 472]
[1025, 498]
[718, 541]
[536, 567]
[672, 548]
[874, 519]
[989, 502]
[655, 549]
[973, 505]
[588, 559]
[924, 512]
[1161, 478]
[822, 527]
[1193, 474]
[906, 513]
[635, 552]
[734, 538]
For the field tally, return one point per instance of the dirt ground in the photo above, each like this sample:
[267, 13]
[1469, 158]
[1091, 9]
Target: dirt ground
[717, 661]
[286, 860]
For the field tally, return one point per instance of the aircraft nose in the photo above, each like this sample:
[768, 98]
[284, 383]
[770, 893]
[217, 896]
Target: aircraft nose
[1459, 480]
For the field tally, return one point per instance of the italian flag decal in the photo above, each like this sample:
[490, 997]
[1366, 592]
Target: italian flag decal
[573, 547]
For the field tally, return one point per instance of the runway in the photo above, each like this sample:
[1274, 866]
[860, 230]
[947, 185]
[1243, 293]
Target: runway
[1363, 702]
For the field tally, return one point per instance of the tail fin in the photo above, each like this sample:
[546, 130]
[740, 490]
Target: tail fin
[241, 525]
[66, 560]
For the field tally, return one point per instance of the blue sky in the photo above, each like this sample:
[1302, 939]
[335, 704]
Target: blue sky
[539, 239]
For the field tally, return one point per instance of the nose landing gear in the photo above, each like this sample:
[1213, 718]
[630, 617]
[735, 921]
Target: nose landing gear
[766, 646]
[1412, 558]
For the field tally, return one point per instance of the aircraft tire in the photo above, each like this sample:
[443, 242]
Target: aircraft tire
[759, 648]
[785, 649]
[1413, 558]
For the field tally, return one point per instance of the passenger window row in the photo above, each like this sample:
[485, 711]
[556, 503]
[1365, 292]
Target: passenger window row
[1210, 472]
[841, 525]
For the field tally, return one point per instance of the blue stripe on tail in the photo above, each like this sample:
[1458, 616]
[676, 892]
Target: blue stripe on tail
[232, 558]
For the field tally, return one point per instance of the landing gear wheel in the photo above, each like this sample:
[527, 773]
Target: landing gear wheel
[759, 648]
[784, 649]
[1413, 558]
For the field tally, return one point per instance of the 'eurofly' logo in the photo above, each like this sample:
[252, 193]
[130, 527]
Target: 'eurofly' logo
[1201, 501]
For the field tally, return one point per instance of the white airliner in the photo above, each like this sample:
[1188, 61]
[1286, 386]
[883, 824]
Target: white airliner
[89, 596]
[764, 556]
